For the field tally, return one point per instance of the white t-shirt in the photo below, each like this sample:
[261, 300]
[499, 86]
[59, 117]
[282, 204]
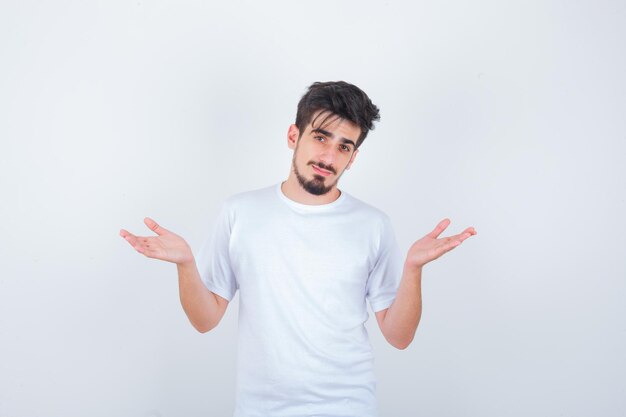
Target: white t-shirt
[303, 273]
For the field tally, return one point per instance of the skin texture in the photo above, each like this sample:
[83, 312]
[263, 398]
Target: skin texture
[203, 308]
[399, 322]
[331, 148]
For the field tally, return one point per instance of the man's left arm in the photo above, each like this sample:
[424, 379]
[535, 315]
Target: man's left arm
[398, 323]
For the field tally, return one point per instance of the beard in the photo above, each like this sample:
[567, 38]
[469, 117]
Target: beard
[315, 186]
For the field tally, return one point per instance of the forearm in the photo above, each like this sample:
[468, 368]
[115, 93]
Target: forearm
[404, 314]
[198, 302]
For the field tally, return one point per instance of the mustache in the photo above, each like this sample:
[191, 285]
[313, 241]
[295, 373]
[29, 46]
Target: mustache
[323, 166]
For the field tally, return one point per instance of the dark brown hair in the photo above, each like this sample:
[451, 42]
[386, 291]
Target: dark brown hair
[341, 99]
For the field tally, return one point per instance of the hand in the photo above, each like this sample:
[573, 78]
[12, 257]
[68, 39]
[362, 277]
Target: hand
[167, 246]
[430, 247]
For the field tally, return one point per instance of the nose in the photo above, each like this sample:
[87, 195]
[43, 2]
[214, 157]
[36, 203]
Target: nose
[329, 155]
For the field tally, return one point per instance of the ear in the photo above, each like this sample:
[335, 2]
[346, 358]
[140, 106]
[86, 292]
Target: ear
[352, 158]
[292, 136]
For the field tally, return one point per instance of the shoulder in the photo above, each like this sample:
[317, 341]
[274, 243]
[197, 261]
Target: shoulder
[249, 199]
[367, 212]
[378, 224]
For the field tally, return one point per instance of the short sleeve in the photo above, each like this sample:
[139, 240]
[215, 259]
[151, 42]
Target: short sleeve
[384, 278]
[213, 260]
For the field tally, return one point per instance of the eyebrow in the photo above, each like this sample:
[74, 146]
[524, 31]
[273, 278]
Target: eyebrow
[330, 135]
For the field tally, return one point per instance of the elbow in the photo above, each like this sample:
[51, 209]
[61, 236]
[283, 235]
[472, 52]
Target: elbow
[401, 344]
[204, 327]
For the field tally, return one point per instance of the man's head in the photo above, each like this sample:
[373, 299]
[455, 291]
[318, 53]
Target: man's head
[333, 120]
[337, 98]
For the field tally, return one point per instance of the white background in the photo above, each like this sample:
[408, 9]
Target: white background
[506, 116]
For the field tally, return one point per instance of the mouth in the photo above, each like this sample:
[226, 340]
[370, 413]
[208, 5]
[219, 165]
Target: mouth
[321, 171]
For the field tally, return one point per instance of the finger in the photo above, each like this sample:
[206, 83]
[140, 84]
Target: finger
[449, 245]
[147, 246]
[154, 226]
[147, 251]
[470, 230]
[456, 239]
[138, 243]
[129, 237]
[440, 228]
[462, 236]
[445, 245]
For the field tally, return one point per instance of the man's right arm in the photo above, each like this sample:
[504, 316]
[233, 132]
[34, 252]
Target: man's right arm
[204, 308]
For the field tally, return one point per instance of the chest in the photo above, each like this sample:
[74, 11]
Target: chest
[320, 256]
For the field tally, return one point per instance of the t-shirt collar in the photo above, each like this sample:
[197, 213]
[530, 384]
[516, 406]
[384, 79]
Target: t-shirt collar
[310, 207]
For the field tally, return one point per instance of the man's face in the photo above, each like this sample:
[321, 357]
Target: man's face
[323, 152]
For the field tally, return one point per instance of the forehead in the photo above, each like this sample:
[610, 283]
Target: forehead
[324, 119]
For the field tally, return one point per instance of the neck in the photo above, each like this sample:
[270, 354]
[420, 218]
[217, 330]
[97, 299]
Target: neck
[294, 191]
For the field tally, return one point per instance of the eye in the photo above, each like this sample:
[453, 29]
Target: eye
[319, 137]
[345, 148]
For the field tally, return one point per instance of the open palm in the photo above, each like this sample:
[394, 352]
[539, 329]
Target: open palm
[166, 246]
[431, 246]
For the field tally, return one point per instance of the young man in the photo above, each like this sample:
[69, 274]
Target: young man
[305, 256]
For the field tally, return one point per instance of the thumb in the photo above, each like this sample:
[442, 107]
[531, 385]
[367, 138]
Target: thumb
[154, 226]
